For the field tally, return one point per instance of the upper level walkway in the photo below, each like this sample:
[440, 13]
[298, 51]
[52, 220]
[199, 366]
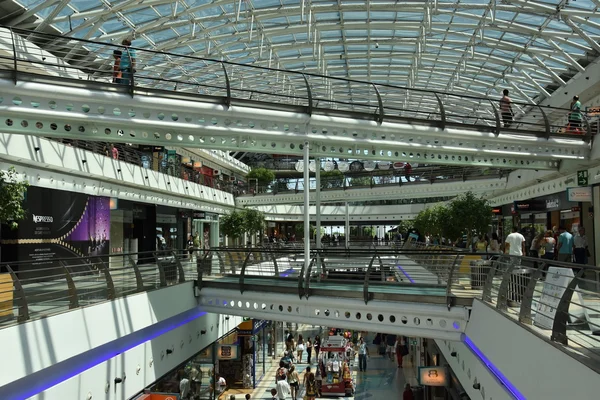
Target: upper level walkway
[357, 287]
[434, 292]
[235, 107]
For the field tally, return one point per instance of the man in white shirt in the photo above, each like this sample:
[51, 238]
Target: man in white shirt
[283, 390]
[514, 243]
[580, 247]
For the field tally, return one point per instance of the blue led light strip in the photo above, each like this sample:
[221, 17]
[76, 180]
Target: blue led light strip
[287, 273]
[411, 280]
[493, 369]
[46, 378]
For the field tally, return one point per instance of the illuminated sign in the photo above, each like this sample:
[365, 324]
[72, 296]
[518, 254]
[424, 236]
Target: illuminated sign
[433, 376]
[227, 352]
[579, 193]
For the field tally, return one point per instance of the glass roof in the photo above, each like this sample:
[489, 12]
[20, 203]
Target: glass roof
[473, 47]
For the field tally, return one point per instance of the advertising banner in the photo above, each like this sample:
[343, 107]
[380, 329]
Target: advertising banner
[59, 224]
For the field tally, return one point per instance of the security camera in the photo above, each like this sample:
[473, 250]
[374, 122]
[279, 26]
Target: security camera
[376, 45]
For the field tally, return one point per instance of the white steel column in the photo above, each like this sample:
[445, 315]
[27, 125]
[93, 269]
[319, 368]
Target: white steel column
[347, 227]
[306, 206]
[318, 201]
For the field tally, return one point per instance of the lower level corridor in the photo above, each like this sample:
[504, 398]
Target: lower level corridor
[382, 379]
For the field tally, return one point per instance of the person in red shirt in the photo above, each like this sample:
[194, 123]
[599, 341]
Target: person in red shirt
[407, 171]
[408, 393]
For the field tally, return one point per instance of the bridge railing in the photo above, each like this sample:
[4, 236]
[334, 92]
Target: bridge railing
[228, 82]
[555, 299]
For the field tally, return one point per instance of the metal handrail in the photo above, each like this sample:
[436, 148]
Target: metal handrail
[447, 117]
[75, 282]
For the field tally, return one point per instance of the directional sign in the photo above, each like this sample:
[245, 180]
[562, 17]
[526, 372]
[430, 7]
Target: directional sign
[582, 178]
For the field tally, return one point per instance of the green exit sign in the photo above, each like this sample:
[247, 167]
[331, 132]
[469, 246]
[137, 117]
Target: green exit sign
[582, 178]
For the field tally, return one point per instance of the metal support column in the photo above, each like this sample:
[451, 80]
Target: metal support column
[306, 207]
[347, 227]
[318, 201]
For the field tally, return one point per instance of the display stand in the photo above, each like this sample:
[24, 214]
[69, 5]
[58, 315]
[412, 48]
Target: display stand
[335, 367]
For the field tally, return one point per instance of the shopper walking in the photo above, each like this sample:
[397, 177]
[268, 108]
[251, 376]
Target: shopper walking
[506, 109]
[309, 347]
[311, 387]
[550, 245]
[514, 243]
[401, 350]
[300, 348]
[363, 353]
[581, 250]
[283, 389]
[408, 393]
[293, 380]
[575, 116]
[127, 63]
[494, 243]
[565, 245]
[390, 341]
[317, 347]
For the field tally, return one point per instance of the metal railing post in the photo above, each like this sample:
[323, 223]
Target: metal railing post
[381, 114]
[200, 268]
[489, 281]
[221, 263]
[442, 112]
[498, 121]
[307, 276]
[588, 132]
[14, 48]
[73, 298]
[138, 276]
[502, 302]
[366, 296]
[275, 265]
[559, 327]
[243, 271]
[526, 304]
[309, 108]
[161, 271]
[228, 86]
[110, 285]
[180, 270]
[21, 299]
[546, 123]
[301, 289]
[449, 296]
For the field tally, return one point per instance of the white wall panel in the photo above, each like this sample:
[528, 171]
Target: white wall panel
[537, 368]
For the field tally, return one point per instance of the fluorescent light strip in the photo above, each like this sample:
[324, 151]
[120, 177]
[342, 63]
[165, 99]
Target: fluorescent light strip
[508, 153]
[493, 369]
[566, 156]
[46, 378]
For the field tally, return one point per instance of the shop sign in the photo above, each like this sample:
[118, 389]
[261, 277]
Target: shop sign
[575, 209]
[579, 194]
[552, 203]
[258, 324]
[593, 111]
[227, 352]
[582, 178]
[528, 206]
[433, 376]
[496, 211]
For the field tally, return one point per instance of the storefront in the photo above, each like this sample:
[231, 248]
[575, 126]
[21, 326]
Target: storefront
[167, 233]
[253, 342]
[443, 384]
[207, 226]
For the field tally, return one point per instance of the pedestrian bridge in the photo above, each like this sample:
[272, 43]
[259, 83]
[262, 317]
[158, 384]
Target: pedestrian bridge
[473, 310]
[247, 108]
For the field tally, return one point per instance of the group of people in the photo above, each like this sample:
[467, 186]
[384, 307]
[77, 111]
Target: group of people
[287, 383]
[575, 115]
[556, 244]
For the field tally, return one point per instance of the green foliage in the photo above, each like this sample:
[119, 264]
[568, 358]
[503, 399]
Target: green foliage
[299, 228]
[12, 191]
[360, 181]
[253, 220]
[471, 213]
[465, 213]
[369, 231]
[236, 223]
[405, 226]
[332, 179]
[432, 220]
[232, 224]
[262, 175]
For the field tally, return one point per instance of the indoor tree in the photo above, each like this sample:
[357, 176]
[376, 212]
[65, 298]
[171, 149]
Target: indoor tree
[232, 225]
[332, 179]
[12, 191]
[253, 221]
[469, 213]
[263, 176]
